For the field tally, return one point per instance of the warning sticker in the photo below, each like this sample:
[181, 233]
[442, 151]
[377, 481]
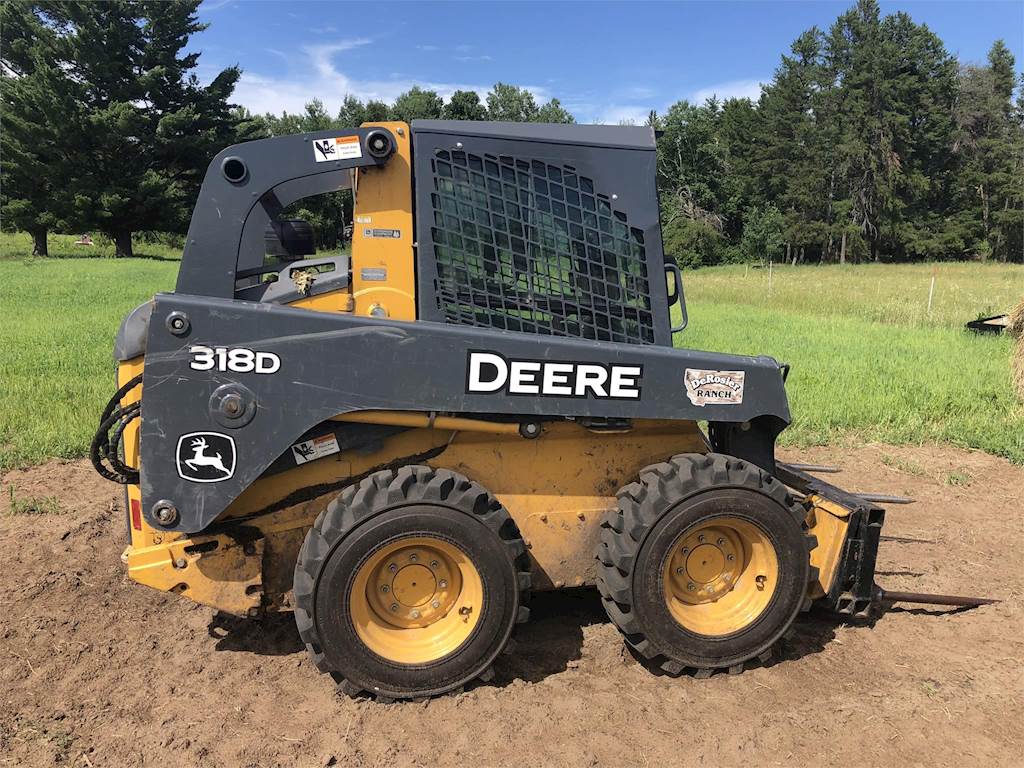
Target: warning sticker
[718, 387]
[338, 148]
[317, 448]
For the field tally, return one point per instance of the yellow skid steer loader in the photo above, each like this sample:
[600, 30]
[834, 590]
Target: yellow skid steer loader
[482, 400]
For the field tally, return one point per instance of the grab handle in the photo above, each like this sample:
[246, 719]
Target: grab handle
[676, 297]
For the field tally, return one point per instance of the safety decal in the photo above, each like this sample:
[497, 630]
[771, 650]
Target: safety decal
[338, 148]
[205, 457]
[493, 373]
[317, 448]
[718, 387]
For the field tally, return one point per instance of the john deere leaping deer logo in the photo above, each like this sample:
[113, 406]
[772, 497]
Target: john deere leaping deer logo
[206, 457]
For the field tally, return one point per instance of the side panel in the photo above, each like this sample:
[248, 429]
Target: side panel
[556, 487]
[330, 364]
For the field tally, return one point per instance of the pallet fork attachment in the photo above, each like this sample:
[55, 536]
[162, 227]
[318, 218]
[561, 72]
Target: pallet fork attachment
[848, 528]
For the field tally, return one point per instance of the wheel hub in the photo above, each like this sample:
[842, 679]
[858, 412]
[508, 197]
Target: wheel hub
[415, 585]
[706, 564]
[416, 599]
[720, 575]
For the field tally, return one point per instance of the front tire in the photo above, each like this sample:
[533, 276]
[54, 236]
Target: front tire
[409, 584]
[705, 564]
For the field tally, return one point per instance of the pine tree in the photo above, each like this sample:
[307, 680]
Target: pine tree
[32, 190]
[140, 127]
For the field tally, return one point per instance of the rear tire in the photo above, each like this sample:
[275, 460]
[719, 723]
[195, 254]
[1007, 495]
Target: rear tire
[409, 584]
[705, 563]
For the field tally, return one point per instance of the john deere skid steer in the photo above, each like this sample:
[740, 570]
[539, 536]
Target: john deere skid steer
[481, 401]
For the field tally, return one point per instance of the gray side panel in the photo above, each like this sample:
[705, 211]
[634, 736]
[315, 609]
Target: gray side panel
[333, 364]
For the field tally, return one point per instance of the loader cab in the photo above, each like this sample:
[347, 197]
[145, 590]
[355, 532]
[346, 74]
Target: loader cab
[542, 229]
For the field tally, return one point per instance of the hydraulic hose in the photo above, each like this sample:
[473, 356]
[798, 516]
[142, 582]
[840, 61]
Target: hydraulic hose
[106, 445]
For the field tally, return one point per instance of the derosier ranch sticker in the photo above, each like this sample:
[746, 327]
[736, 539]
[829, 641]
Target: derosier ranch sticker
[718, 387]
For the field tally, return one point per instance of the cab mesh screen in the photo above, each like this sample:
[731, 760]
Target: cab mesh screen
[524, 245]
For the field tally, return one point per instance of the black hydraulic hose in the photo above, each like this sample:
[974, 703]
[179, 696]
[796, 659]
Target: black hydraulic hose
[105, 447]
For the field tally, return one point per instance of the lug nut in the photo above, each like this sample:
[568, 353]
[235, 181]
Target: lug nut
[436, 604]
[415, 614]
[720, 541]
[434, 563]
[385, 588]
[413, 557]
[679, 571]
[730, 558]
[392, 567]
[700, 538]
[691, 586]
[442, 583]
[394, 607]
[686, 550]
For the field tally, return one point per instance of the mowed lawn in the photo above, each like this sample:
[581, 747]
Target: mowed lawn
[869, 362]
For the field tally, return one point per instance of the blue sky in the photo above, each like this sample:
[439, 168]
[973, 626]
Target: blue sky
[606, 61]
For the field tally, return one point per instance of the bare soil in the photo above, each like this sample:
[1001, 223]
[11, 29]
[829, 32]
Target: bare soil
[96, 670]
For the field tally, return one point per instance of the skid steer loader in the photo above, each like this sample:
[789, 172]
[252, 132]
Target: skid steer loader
[482, 400]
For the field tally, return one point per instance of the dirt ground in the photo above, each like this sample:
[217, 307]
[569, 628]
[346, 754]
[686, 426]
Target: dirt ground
[98, 671]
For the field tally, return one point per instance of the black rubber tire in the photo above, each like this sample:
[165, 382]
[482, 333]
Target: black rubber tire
[384, 507]
[652, 513]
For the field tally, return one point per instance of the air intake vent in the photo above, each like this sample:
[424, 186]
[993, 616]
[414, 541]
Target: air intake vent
[524, 245]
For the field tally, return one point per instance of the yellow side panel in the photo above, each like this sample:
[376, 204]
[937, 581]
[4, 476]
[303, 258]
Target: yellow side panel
[383, 268]
[556, 487]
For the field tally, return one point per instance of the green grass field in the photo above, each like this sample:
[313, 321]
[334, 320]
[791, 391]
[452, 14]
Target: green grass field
[869, 361]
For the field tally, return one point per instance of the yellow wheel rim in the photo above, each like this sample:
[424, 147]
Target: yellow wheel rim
[720, 576]
[416, 600]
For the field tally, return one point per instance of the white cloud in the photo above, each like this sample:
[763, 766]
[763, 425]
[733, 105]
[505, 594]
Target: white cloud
[314, 75]
[733, 89]
[614, 114]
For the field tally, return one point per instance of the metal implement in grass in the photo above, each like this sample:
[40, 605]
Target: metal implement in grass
[483, 400]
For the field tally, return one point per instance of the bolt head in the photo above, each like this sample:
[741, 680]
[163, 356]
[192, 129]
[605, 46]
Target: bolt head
[165, 512]
[691, 586]
[180, 563]
[686, 550]
[442, 583]
[385, 588]
[730, 558]
[394, 607]
[392, 567]
[413, 557]
[700, 538]
[415, 614]
[680, 571]
[720, 541]
[436, 604]
[434, 564]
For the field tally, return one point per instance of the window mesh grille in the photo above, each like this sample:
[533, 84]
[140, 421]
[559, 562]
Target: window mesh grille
[524, 245]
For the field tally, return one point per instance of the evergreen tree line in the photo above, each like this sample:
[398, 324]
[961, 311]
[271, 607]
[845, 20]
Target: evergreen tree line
[871, 142]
